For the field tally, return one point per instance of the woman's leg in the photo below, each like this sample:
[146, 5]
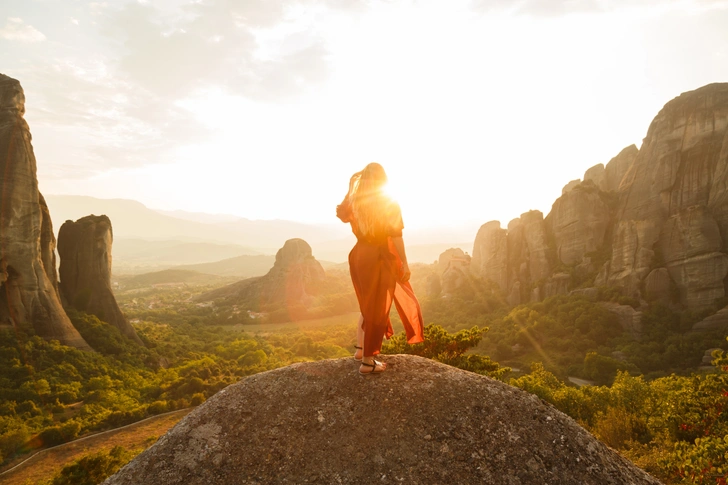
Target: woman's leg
[359, 338]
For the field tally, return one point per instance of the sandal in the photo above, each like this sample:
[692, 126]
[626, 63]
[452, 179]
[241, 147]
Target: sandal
[358, 348]
[376, 365]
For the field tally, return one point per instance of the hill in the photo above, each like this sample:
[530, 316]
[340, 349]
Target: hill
[422, 422]
[167, 277]
[240, 266]
[296, 288]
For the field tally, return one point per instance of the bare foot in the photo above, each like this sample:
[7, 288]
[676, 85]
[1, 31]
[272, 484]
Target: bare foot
[358, 354]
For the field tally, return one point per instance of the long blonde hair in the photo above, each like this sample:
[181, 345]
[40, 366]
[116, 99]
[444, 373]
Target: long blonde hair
[368, 200]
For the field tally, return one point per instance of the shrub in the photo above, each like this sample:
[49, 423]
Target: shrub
[93, 469]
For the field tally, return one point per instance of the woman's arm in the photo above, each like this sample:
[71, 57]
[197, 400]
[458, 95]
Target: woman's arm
[399, 245]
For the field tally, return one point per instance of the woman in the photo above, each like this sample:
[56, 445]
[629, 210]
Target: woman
[378, 266]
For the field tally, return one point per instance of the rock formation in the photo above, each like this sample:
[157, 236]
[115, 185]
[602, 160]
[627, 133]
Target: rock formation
[422, 422]
[567, 188]
[296, 282]
[653, 221]
[629, 318]
[579, 221]
[84, 247]
[516, 258]
[674, 199]
[454, 267]
[28, 281]
[617, 168]
[295, 276]
[718, 321]
[490, 254]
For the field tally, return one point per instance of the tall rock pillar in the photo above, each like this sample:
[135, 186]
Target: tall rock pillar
[85, 250]
[28, 287]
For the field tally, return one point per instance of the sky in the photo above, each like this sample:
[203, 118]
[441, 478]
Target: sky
[477, 109]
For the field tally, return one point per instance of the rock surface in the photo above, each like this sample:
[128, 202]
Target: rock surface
[28, 282]
[675, 195]
[420, 422]
[490, 254]
[629, 318]
[658, 286]
[618, 167]
[84, 247]
[653, 221]
[570, 186]
[578, 221]
[292, 283]
[597, 176]
[717, 321]
[454, 267]
[295, 275]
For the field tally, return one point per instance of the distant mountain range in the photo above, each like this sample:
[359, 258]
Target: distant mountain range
[146, 239]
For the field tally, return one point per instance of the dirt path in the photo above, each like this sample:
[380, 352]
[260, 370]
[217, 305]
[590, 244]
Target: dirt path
[46, 463]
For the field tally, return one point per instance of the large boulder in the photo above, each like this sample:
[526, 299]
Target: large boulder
[629, 318]
[84, 247]
[421, 422]
[28, 281]
[717, 321]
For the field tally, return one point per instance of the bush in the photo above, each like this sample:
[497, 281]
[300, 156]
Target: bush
[93, 469]
[197, 399]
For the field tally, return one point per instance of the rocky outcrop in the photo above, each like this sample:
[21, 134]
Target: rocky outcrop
[454, 267]
[295, 276]
[717, 321]
[629, 318]
[536, 247]
[618, 167]
[691, 245]
[516, 259]
[558, 284]
[28, 282]
[652, 222]
[293, 284]
[84, 247]
[579, 221]
[597, 176]
[568, 187]
[659, 286]
[674, 197]
[317, 422]
[490, 254]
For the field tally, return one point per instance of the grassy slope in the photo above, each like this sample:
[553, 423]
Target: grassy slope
[47, 463]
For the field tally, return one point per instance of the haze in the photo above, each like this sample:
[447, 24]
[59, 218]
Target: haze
[263, 109]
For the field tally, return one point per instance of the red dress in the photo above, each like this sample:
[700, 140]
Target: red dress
[376, 272]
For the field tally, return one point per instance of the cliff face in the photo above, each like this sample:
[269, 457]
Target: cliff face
[28, 281]
[658, 216]
[516, 258]
[84, 247]
[421, 422]
[674, 200]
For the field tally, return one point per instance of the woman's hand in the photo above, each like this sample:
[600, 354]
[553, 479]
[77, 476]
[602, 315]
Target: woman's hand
[405, 273]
